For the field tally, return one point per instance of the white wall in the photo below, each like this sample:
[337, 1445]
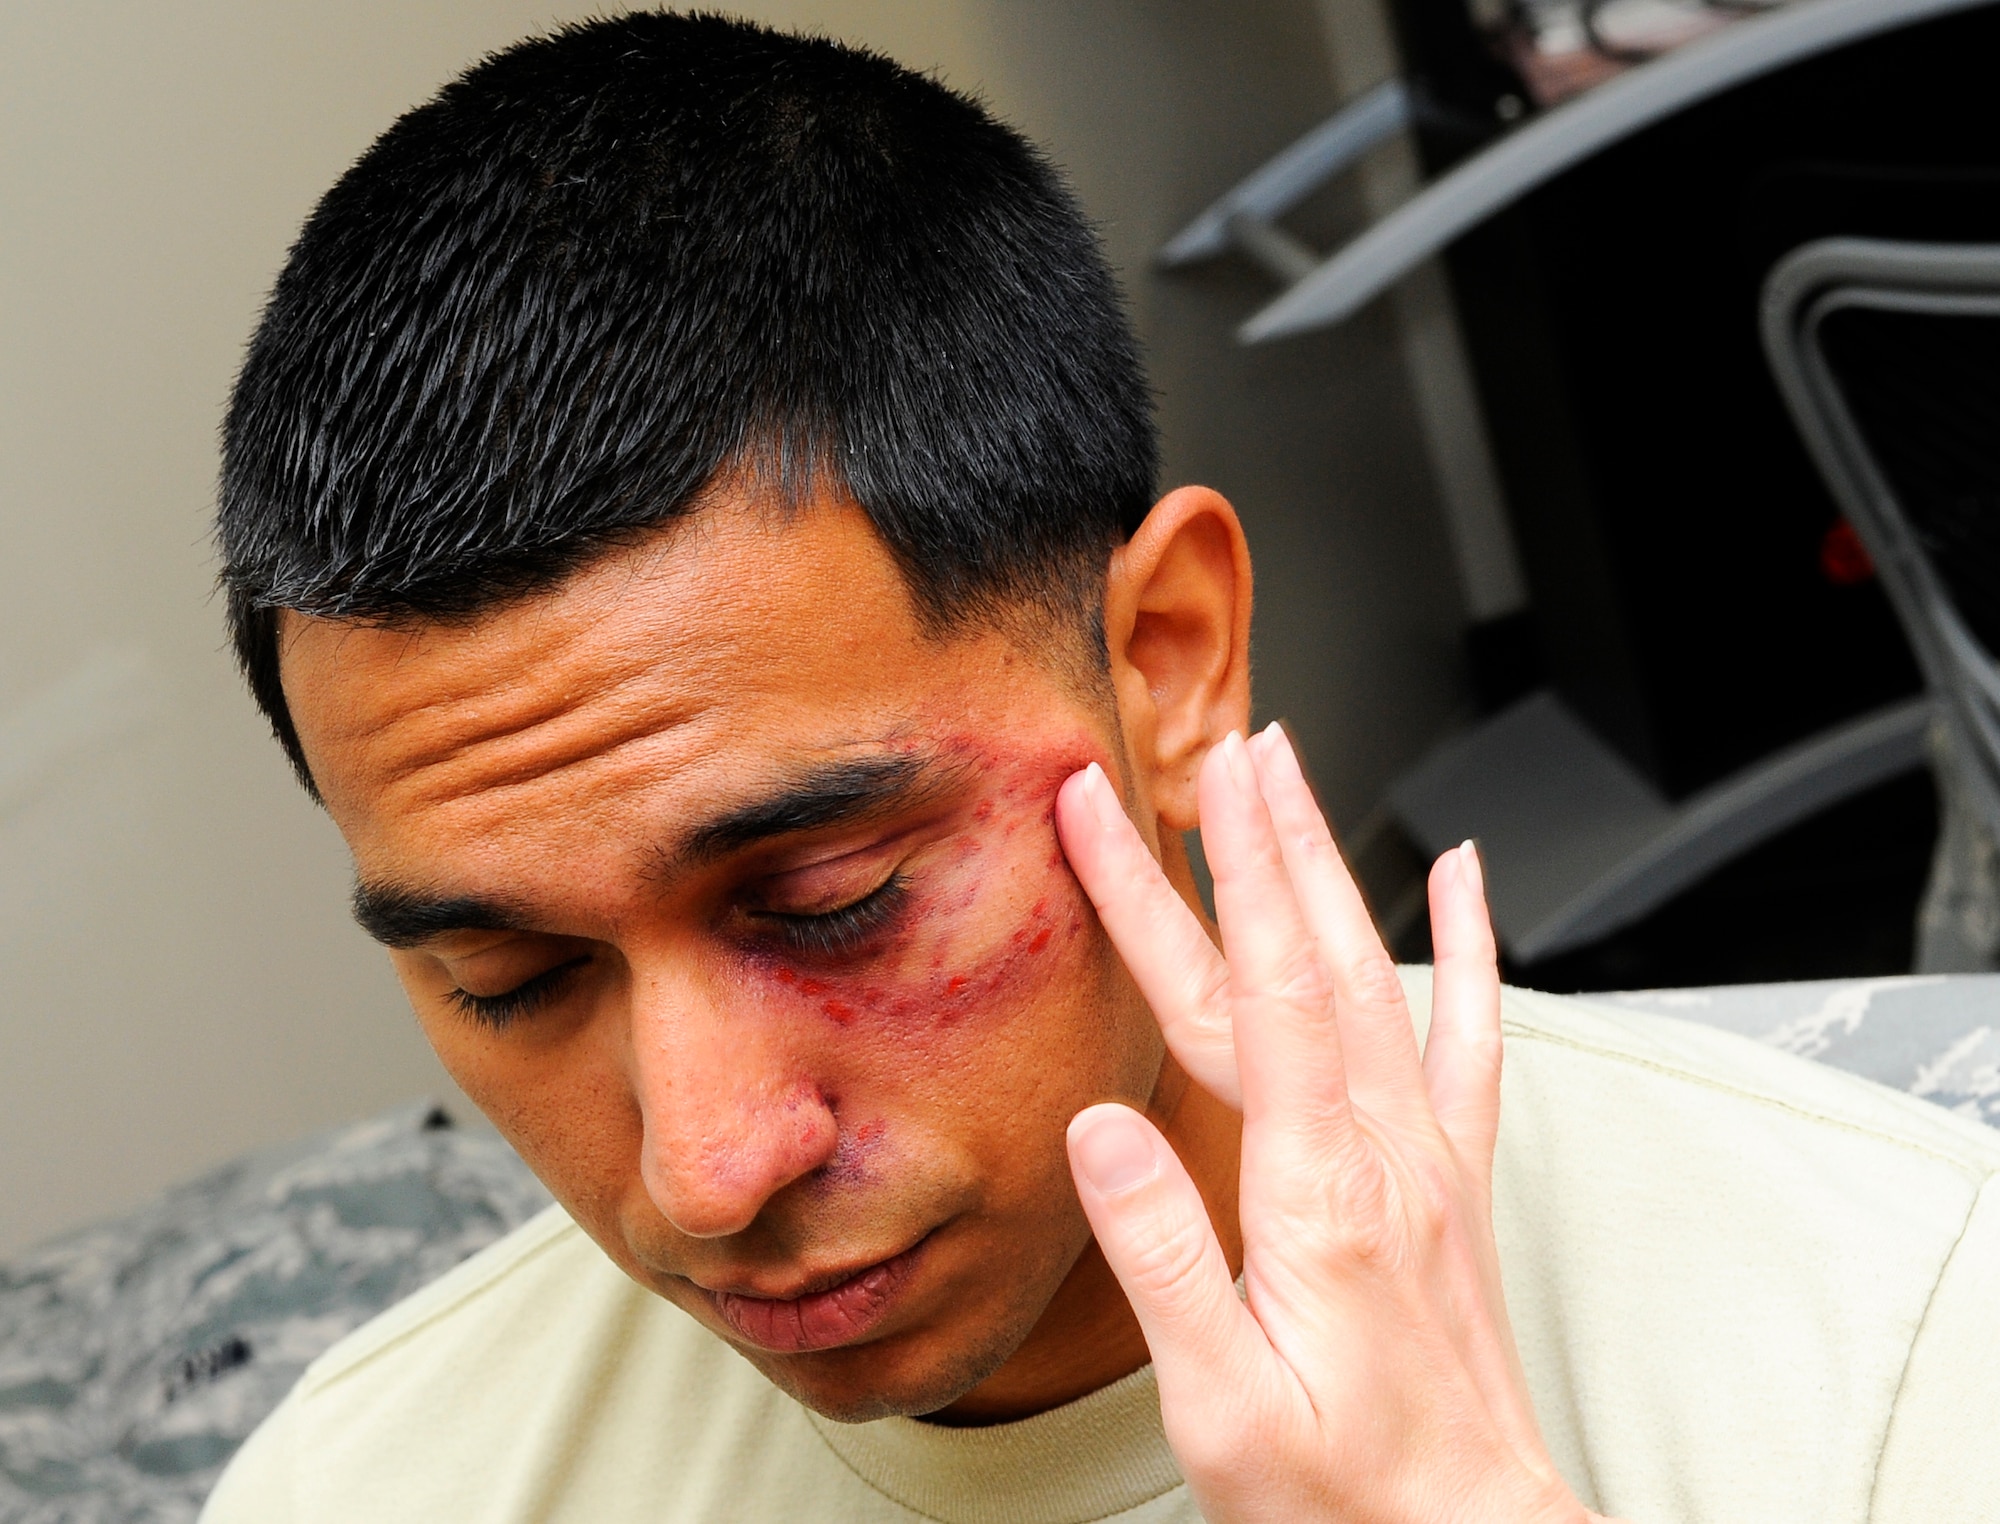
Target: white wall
[178, 978]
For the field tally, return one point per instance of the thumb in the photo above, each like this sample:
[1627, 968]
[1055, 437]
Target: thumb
[1153, 1228]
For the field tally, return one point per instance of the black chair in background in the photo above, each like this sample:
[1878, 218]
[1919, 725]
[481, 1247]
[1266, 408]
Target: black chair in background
[1888, 357]
[1727, 702]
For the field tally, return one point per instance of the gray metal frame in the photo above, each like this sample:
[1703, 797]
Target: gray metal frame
[1323, 291]
[1959, 925]
[1245, 217]
[1578, 844]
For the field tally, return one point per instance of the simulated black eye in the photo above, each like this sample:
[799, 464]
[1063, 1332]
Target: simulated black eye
[524, 999]
[844, 930]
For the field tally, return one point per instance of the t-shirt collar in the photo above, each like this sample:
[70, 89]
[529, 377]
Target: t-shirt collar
[1090, 1459]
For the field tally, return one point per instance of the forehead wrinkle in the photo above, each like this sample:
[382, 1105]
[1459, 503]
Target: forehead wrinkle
[719, 632]
[496, 678]
[543, 724]
[524, 753]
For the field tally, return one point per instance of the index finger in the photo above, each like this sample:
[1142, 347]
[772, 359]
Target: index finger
[1165, 948]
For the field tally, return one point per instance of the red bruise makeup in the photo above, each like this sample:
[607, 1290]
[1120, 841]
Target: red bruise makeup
[942, 992]
[854, 1154]
[766, 954]
[897, 923]
[934, 931]
[865, 926]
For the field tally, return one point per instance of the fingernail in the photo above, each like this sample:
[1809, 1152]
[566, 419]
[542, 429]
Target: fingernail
[1236, 757]
[1469, 867]
[1115, 1154]
[1103, 801]
[1281, 746]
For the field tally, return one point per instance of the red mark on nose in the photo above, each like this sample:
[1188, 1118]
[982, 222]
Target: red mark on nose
[850, 1155]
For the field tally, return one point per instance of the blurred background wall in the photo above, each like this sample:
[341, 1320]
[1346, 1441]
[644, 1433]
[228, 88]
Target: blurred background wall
[181, 981]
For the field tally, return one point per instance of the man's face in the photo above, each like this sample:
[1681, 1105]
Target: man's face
[735, 900]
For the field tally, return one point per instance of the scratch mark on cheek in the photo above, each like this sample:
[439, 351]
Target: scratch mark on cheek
[951, 964]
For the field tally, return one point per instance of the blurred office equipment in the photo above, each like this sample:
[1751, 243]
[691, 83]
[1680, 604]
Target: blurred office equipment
[1580, 843]
[1717, 661]
[1888, 355]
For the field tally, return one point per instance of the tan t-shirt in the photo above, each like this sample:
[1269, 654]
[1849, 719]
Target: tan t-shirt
[1745, 1289]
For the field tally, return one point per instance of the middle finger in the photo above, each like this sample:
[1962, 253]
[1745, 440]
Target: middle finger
[1288, 1052]
[1384, 1068]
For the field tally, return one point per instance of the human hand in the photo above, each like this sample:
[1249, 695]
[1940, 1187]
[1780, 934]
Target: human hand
[1372, 1374]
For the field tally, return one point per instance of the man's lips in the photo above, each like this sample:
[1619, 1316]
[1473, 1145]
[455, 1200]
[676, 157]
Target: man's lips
[841, 1313]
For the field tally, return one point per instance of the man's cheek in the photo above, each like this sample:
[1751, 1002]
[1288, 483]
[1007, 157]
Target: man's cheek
[993, 918]
[948, 966]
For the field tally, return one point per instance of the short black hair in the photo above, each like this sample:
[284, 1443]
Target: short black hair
[605, 267]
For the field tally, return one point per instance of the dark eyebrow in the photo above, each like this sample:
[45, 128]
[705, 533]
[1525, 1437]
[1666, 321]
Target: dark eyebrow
[399, 917]
[828, 795]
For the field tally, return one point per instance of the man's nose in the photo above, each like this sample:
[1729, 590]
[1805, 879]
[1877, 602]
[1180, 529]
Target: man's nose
[730, 1118]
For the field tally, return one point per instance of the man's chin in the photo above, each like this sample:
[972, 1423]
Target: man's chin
[883, 1379]
[956, 1329]
[899, 1377]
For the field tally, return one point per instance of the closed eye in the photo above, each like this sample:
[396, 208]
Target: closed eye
[524, 999]
[843, 930]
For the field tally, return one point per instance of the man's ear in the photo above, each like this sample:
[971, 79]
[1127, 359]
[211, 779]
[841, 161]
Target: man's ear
[1177, 629]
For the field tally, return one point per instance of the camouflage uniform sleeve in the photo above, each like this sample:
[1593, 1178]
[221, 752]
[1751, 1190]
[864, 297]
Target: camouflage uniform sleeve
[257, 1487]
[1940, 1464]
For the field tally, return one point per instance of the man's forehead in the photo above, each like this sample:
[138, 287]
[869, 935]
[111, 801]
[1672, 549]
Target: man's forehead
[731, 616]
[696, 588]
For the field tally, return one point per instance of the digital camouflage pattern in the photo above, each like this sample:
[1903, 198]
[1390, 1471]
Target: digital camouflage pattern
[135, 1356]
[1934, 1035]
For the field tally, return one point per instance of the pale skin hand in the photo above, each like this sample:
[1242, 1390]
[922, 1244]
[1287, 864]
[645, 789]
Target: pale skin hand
[1372, 1375]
